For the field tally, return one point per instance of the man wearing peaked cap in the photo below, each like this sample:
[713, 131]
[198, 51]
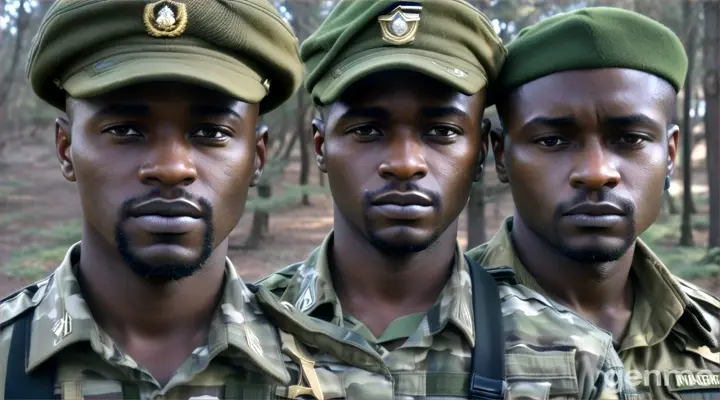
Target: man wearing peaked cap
[401, 88]
[161, 102]
[587, 101]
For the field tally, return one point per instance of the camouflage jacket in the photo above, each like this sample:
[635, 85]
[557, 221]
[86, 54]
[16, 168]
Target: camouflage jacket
[258, 348]
[670, 350]
[551, 351]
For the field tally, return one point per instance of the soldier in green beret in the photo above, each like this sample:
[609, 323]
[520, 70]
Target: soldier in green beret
[401, 88]
[587, 101]
[161, 102]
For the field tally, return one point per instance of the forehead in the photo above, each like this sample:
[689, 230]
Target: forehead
[403, 91]
[581, 93]
[163, 93]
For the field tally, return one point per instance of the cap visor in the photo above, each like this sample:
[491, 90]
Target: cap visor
[111, 73]
[456, 73]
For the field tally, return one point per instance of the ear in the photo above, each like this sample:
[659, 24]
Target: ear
[484, 133]
[261, 137]
[497, 138]
[63, 147]
[318, 127]
[673, 135]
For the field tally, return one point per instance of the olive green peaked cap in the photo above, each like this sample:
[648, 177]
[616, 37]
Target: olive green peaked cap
[594, 37]
[445, 39]
[243, 48]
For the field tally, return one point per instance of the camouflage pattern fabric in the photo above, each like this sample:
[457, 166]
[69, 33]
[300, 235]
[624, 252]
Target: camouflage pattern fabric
[670, 350]
[551, 351]
[246, 356]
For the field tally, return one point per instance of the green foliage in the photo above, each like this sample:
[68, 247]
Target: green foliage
[685, 262]
[32, 262]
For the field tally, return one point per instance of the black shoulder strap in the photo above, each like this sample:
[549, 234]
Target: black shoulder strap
[19, 385]
[487, 380]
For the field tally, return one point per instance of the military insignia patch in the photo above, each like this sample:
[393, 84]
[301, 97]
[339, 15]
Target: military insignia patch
[400, 25]
[165, 18]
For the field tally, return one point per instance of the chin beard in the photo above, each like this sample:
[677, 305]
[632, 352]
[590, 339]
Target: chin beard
[166, 272]
[395, 249]
[596, 255]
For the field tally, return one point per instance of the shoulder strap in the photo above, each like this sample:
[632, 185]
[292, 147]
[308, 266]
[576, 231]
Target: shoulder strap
[18, 384]
[487, 381]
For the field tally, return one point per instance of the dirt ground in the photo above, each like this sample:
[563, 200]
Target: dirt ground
[35, 198]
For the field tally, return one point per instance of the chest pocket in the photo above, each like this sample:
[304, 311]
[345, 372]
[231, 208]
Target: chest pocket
[541, 375]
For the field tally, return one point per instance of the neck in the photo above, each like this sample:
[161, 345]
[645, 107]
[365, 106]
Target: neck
[412, 280]
[594, 290]
[125, 305]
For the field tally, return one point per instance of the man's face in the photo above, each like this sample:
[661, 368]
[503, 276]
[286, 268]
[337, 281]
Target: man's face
[163, 171]
[401, 152]
[586, 154]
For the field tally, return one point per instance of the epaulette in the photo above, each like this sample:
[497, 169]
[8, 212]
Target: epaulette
[698, 294]
[286, 272]
[27, 293]
[503, 274]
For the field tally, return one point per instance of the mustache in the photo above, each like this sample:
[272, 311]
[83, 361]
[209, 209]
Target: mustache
[174, 194]
[370, 194]
[605, 195]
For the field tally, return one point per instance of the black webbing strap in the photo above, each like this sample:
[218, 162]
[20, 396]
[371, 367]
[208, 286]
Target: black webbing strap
[18, 385]
[487, 379]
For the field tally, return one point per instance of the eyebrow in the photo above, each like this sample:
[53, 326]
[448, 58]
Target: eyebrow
[123, 111]
[565, 122]
[370, 112]
[632, 120]
[553, 122]
[437, 112]
[138, 110]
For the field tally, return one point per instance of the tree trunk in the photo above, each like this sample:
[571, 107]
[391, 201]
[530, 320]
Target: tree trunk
[712, 115]
[686, 235]
[476, 215]
[261, 219]
[672, 207]
[304, 147]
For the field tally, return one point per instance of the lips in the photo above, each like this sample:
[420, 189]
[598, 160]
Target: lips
[398, 198]
[167, 208]
[595, 209]
[595, 215]
[162, 216]
[396, 205]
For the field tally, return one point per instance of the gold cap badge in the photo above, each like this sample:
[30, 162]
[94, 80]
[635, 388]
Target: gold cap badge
[165, 18]
[399, 26]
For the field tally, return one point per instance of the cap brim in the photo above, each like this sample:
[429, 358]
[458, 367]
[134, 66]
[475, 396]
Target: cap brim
[111, 73]
[462, 76]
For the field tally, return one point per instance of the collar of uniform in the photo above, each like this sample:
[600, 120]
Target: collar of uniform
[663, 302]
[454, 303]
[499, 251]
[63, 318]
[246, 327]
[311, 286]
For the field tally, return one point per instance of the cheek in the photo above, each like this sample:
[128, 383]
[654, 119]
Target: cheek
[645, 181]
[536, 177]
[351, 171]
[227, 176]
[102, 179]
[454, 171]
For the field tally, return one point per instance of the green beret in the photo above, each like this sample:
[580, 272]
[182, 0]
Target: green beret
[449, 40]
[594, 37]
[243, 48]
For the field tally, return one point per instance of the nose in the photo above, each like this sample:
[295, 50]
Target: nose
[595, 169]
[169, 164]
[405, 160]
